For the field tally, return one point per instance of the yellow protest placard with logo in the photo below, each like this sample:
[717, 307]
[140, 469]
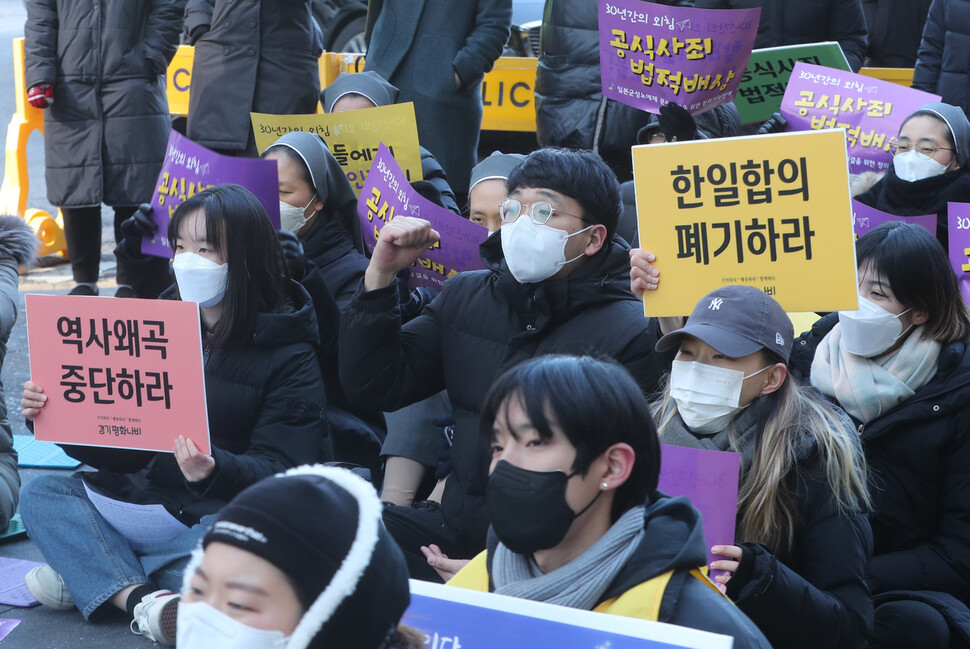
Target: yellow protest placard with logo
[771, 211]
[353, 137]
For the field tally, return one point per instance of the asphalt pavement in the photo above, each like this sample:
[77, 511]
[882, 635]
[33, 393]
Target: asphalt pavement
[42, 628]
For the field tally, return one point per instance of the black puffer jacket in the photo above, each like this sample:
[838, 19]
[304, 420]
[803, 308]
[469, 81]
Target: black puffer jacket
[919, 457]
[106, 132]
[330, 246]
[895, 30]
[267, 413]
[943, 60]
[481, 324]
[790, 22]
[570, 108]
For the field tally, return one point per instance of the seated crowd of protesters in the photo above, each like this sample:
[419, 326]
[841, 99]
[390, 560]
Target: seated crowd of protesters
[510, 424]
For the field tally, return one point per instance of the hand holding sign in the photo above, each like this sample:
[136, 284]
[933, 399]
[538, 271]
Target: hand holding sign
[729, 565]
[194, 465]
[402, 241]
[644, 276]
[34, 399]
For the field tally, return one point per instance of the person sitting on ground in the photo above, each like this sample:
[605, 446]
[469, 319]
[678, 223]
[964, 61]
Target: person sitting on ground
[414, 443]
[931, 158]
[269, 575]
[266, 411]
[900, 367]
[555, 282]
[359, 90]
[803, 540]
[572, 497]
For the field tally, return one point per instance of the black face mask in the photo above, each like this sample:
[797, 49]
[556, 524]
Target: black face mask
[528, 509]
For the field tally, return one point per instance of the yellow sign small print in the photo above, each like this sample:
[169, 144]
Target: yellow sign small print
[353, 137]
[769, 211]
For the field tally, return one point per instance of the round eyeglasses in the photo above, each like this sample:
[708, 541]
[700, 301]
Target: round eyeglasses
[924, 148]
[539, 211]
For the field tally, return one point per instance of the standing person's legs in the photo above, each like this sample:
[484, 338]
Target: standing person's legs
[82, 230]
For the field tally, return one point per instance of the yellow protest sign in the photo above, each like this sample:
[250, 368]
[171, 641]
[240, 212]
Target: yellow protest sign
[353, 137]
[178, 79]
[508, 98]
[770, 211]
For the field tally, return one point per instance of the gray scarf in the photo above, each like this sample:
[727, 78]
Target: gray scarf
[581, 582]
[677, 434]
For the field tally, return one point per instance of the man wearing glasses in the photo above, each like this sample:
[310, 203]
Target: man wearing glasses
[557, 281]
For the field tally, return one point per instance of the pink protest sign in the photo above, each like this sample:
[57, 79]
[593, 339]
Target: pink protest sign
[190, 168]
[865, 218]
[870, 110]
[958, 231]
[116, 372]
[387, 194]
[710, 480]
[651, 54]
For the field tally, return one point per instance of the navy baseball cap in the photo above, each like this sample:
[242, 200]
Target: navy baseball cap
[737, 321]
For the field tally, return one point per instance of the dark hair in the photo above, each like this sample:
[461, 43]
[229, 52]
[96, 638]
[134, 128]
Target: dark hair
[596, 403]
[920, 275]
[294, 157]
[581, 175]
[237, 226]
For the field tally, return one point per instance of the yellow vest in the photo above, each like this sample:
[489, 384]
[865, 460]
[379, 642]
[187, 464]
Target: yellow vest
[641, 602]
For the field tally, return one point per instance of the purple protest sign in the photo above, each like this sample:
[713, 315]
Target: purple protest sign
[387, 194]
[7, 625]
[651, 54]
[865, 218]
[189, 168]
[710, 480]
[870, 110]
[958, 231]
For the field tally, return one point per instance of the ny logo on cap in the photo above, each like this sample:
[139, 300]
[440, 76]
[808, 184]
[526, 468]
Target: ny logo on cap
[779, 340]
[715, 304]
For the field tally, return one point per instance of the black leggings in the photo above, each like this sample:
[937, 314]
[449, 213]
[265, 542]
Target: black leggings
[82, 230]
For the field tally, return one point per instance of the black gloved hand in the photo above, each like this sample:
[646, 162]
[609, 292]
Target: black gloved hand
[137, 227]
[775, 124]
[292, 253]
[677, 123]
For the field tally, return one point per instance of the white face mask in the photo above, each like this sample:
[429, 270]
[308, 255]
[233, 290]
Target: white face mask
[707, 397]
[201, 626]
[871, 330]
[911, 166]
[293, 218]
[535, 252]
[199, 279]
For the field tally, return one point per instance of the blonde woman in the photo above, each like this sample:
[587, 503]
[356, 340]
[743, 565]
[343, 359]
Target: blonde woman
[798, 568]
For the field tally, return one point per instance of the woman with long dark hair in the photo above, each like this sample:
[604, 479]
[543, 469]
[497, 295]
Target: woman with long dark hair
[266, 410]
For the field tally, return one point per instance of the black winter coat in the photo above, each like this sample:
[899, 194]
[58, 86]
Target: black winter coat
[481, 324]
[335, 257]
[790, 22]
[106, 132]
[943, 60]
[819, 587]
[928, 196]
[256, 56]
[895, 31]
[267, 413]
[919, 458]
[419, 46]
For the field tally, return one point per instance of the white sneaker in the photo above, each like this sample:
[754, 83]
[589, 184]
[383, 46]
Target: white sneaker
[156, 615]
[48, 588]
